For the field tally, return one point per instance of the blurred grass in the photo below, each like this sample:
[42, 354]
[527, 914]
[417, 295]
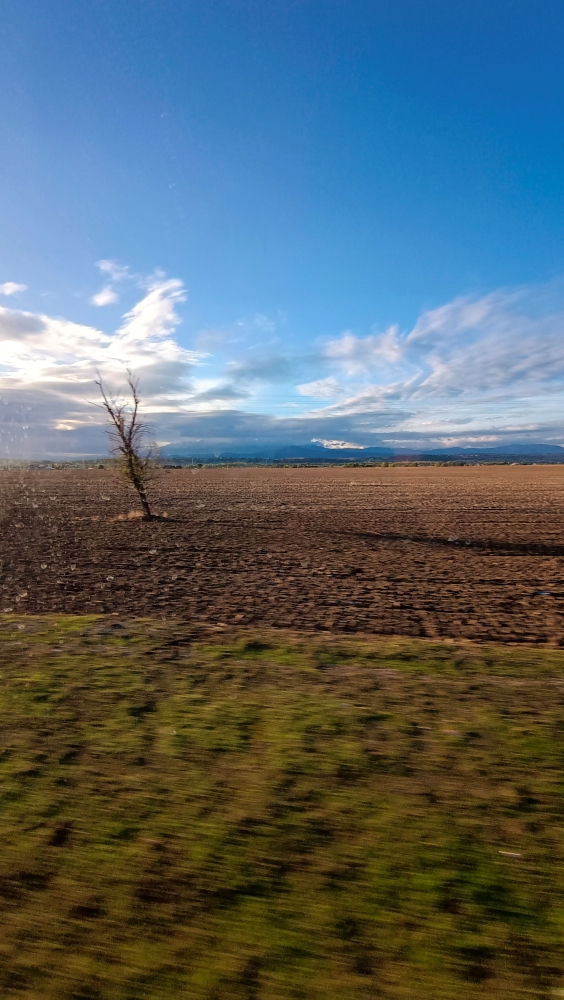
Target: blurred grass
[225, 814]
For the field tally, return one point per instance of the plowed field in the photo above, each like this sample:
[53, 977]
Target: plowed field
[475, 552]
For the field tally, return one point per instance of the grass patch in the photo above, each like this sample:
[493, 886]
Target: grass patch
[228, 814]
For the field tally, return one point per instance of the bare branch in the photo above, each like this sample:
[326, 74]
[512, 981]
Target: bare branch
[128, 437]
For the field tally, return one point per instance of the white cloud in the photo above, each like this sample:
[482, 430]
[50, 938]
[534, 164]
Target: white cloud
[472, 372]
[115, 272]
[48, 367]
[105, 297]
[356, 355]
[337, 445]
[369, 399]
[11, 288]
[323, 388]
[495, 344]
[500, 343]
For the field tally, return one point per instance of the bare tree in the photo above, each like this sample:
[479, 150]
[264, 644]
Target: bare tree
[128, 436]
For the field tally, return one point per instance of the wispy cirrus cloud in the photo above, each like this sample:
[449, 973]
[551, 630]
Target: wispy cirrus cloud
[115, 273]
[322, 388]
[356, 355]
[469, 347]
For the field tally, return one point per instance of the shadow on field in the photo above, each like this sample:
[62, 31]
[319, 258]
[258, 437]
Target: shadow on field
[453, 541]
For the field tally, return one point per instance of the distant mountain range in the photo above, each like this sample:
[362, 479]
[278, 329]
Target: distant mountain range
[317, 453]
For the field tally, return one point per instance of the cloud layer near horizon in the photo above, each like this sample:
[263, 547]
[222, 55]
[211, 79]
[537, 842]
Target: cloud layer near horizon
[473, 372]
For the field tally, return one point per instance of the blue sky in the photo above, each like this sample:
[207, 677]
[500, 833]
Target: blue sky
[330, 220]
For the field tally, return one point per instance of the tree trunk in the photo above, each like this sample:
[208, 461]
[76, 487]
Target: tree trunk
[137, 483]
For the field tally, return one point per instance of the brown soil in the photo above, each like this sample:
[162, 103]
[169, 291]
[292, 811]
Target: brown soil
[462, 552]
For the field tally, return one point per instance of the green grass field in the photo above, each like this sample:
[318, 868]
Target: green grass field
[228, 814]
